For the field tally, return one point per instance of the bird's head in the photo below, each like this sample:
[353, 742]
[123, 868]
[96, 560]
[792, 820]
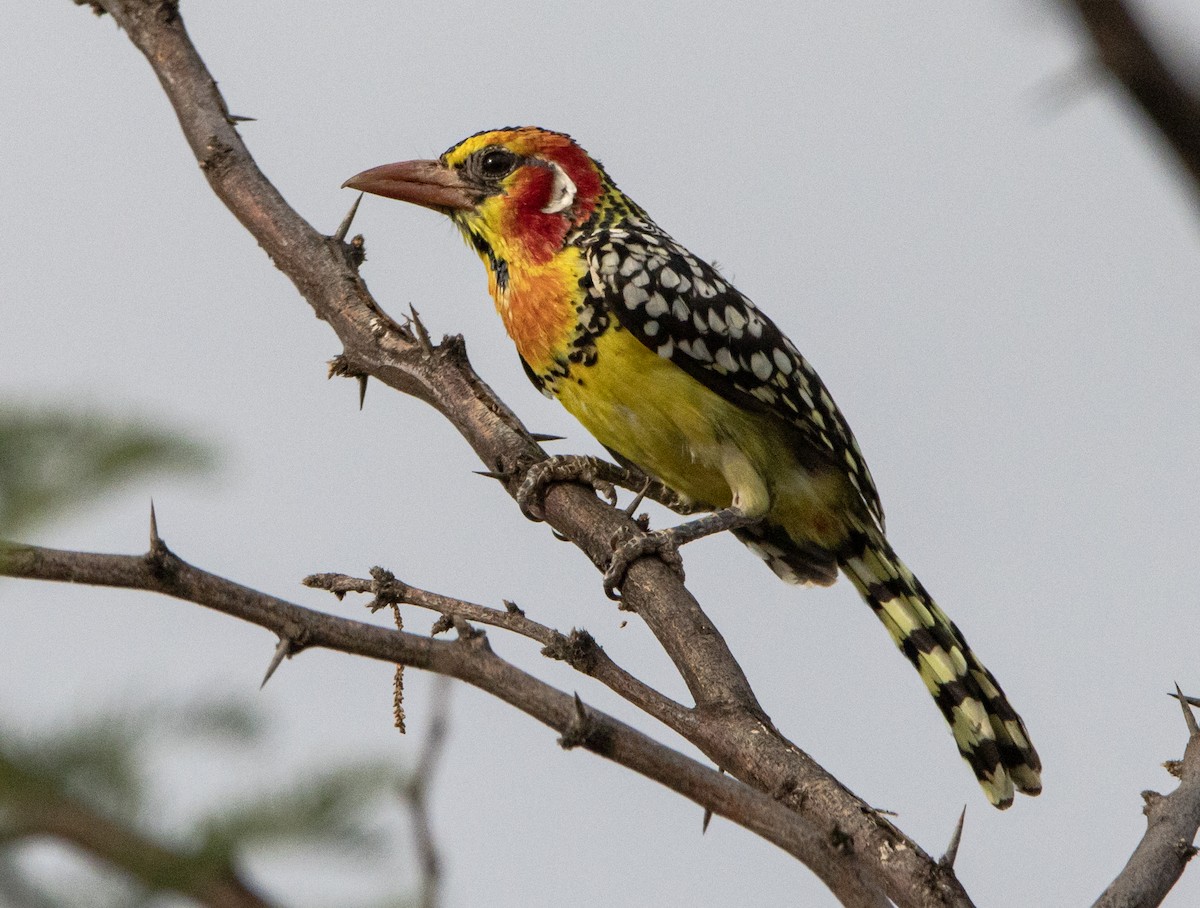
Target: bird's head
[516, 194]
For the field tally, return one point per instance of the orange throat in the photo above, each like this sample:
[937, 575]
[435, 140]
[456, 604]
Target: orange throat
[537, 302]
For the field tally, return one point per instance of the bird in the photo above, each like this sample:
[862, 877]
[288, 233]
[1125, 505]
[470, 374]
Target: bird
[682, 377]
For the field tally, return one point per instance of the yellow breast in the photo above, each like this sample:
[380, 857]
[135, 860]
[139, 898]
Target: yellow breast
[696, 442]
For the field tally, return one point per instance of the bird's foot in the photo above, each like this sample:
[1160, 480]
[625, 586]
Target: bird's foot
[590, 471]
[666, 543]
[629, 549]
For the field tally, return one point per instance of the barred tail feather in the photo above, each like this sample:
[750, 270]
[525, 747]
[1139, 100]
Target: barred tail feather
[990, 735]
[791, 562]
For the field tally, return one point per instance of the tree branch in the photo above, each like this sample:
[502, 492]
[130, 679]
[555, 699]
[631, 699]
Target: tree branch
[1127, 52]
[469, 659]
[1171, 825]
[857, 852]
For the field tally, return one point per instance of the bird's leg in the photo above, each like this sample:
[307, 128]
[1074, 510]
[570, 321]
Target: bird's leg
[666, 543]
[592, 471]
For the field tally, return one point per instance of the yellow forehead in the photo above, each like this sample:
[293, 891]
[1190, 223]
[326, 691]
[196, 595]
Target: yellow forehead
[524, 141]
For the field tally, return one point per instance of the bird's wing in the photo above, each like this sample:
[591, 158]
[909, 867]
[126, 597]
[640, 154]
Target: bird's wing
[681, 308]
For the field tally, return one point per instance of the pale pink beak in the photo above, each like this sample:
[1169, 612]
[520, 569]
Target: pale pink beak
[426, 183]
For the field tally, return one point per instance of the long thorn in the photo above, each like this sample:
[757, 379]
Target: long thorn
[344, 227]
[283, 649]
[542, 436]
[947, 860]
[1188, 716]
[1194, 701]
[155, 539]
[637, 499]
[493, 474]
[708, 814]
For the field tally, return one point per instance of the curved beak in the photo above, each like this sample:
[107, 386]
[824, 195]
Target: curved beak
[426, 183]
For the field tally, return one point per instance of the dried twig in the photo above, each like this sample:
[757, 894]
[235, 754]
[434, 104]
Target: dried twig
[1172, 821]
[578, 649]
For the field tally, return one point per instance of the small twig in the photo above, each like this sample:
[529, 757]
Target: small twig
[578, 649]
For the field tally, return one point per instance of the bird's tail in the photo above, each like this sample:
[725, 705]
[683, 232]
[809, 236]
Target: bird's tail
[989, 733]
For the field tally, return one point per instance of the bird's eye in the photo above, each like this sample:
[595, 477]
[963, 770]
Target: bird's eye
[497, 163]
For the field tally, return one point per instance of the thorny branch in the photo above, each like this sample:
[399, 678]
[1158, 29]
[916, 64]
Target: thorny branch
[578, 649]
[1171, 824]
[859, 854]
[469, 659]
[856, 851]
[1173, 106]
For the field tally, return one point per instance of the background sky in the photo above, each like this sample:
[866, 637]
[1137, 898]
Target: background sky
[990, 260]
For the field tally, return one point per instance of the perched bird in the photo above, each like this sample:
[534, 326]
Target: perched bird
[677, 373]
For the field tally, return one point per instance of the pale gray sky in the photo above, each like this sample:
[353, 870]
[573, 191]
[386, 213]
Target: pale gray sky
[989, 260]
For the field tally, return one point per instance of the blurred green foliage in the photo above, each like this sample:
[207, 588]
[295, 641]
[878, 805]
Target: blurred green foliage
[96, 772]
[93, 776]
[54, 460]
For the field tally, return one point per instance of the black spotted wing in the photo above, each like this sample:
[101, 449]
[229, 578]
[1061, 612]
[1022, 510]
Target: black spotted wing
[681, 308]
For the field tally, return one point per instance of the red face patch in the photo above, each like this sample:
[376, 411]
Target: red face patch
[531, 188]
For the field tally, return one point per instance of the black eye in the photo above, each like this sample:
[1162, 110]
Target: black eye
[497, 163]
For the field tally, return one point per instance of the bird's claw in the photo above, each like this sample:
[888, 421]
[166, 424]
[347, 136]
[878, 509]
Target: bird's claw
[662, 543]
[560, 468]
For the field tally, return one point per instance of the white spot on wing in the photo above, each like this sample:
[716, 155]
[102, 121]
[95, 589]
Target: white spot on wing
[760, 365]
[735, 320]
[634, 295]
[656, 306]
